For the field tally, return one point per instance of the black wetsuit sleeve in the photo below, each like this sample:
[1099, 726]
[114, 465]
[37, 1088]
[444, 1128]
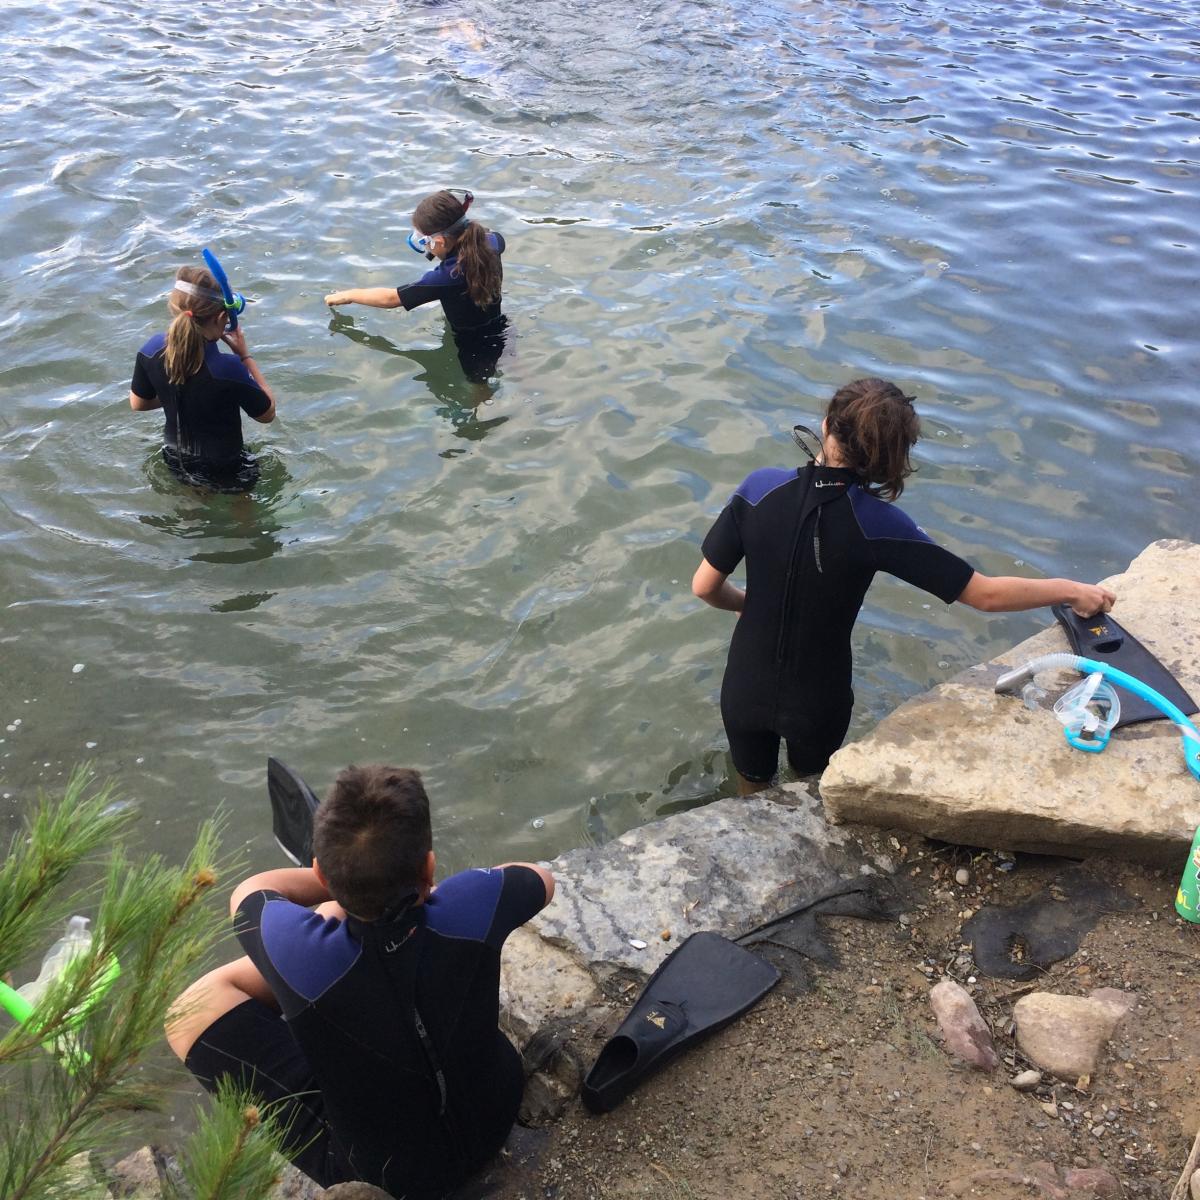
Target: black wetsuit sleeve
[252, 400]
[141, 385]
[722, 546]
[522, 895]
[924, 564]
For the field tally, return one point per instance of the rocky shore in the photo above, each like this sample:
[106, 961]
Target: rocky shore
[955, 1018]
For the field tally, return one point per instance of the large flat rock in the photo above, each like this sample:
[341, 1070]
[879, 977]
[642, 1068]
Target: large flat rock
[728, 867]
[962, 764]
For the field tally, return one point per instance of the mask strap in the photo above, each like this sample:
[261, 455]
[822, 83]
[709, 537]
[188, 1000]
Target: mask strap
[191, 289]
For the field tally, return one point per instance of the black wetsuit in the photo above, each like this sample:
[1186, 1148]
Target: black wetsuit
[812, 540]
[361, 1088]
[479, 333]
[202, 431]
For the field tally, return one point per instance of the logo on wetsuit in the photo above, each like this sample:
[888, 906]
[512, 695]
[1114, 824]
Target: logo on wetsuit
[829, 483]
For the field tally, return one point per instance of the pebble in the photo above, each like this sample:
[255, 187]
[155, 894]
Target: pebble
[77, 668]
[637, 943]
[962, 876]
[1026, 1081]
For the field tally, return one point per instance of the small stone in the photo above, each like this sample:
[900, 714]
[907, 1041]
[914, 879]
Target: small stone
[637, 943]
[665, 935]
[964, 1032]
[1026, 1081]
[77, 668]
[1064, 1034]
[962, 876]
[1049, 1108]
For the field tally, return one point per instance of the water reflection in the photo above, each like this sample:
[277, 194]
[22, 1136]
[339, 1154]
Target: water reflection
[463, 375]
[250, 520]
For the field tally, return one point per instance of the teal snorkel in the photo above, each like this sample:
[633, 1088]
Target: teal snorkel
[235, 302]
[1100, 728]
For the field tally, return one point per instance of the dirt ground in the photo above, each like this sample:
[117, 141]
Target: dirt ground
[840, 1088]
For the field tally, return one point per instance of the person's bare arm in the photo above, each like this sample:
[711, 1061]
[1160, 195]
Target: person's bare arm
[298, 884]
[713, 587]
[142, 404]
[235, 339]
[1012, 593]
[377, 297]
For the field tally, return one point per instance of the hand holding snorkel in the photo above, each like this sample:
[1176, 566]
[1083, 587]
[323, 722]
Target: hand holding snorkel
[235, 302]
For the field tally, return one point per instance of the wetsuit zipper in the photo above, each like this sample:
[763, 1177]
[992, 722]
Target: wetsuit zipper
[787, 582]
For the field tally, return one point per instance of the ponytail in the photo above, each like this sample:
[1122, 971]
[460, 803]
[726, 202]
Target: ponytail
[876, 427]
[194, 302]
[479, 265]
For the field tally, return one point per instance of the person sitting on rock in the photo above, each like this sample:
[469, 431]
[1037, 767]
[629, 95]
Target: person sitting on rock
[369, 1024]
[813, 539]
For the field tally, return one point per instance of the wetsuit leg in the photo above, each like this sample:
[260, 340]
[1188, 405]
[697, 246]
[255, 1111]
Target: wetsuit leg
[810, 743]
[252, 1046]
[755, 753]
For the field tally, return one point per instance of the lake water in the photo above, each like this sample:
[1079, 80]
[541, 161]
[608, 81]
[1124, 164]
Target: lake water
[714, 215]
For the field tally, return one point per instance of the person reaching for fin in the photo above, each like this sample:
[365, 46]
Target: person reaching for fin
[813, 539]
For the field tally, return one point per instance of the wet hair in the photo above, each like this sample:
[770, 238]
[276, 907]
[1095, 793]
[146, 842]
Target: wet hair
[478, 263]
[185, 341]
[372, 836]
[876, 427]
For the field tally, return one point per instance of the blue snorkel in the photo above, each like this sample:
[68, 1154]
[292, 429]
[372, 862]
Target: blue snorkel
[235, 302]
[1012, 680]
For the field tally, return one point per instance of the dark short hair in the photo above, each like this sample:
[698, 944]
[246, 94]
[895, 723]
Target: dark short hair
[371, 836]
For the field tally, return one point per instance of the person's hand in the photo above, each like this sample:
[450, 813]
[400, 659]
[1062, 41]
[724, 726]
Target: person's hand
[1092, 599]
[235, 339]
[336, 298]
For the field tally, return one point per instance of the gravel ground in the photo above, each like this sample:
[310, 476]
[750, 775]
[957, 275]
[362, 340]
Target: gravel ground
[836, 1084]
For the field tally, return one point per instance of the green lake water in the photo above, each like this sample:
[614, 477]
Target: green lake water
[714, 216]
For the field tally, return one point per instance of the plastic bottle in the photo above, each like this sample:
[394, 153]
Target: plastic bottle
[1187, 898]
[76, 941]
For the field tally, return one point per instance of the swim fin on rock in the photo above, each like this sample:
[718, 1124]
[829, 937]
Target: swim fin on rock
[1102, 639]
[699, 988]
[293, 805]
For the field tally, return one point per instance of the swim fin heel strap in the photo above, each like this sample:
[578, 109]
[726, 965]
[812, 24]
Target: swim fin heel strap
[701, 987]
[293, 806]
[1104, 640]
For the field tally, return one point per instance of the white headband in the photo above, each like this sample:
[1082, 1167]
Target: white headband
[191, 289]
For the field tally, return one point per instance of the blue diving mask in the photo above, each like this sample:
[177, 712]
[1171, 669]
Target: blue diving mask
[422, 243]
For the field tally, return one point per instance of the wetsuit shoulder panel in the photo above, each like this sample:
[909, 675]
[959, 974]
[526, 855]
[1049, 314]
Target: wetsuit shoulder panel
[485, 905]
[902, 548]
[301, 955]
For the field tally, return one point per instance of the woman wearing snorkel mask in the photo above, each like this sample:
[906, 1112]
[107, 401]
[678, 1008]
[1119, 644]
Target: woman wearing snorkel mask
[466, 281]
[813, 539]
[201, 391]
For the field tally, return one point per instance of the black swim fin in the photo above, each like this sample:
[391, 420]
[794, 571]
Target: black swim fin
[293, 806]
[1102, 639]
[702, 986]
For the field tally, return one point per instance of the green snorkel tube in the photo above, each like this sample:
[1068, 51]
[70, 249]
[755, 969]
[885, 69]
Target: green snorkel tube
[25, 1012]
[1187, 897]
[235, 302]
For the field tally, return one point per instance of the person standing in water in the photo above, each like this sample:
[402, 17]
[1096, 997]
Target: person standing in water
[201, 391]
[813, 539]
[467, 280]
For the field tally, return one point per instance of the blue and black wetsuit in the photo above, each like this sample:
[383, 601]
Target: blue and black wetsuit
[479, 333]
[812, 540]
[388, 1063]
[202, 431]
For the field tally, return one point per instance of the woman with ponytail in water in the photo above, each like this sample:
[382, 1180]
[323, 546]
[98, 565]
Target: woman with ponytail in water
[466, 281]
[813, 539]
[201, 391]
